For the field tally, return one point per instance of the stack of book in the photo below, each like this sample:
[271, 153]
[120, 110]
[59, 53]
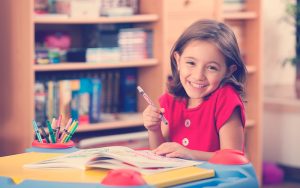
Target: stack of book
[135, 44]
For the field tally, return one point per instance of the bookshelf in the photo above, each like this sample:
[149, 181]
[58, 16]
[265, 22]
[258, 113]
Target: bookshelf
[166, 18]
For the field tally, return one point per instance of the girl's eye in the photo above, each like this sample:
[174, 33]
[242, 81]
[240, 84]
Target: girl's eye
[212, 68]
[191, 63]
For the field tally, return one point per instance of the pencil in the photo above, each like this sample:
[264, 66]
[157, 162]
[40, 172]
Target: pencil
[44, 134]
[72, 132]
[65, 130]
[58, 127]
[68, 132]
[149, 101]
[36, 130]
[51, 131]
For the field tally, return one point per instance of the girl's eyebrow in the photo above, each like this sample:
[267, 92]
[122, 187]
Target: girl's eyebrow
[197, 59]
[190, 58]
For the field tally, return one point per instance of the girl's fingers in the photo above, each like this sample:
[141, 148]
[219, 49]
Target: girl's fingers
[164, 149]
[174, 154]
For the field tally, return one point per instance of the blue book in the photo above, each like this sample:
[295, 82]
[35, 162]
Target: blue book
[95, 102]
[75, 85]
[128, 92]
[85, 92]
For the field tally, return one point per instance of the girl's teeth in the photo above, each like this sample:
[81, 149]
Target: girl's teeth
[197, 85]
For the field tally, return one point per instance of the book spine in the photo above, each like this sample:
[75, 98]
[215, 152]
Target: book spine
[128, 93]
[65, 94]
[95, 105]
[84, 100]
[40, 97]
[116, 92]
[75, 85]
[50, 99]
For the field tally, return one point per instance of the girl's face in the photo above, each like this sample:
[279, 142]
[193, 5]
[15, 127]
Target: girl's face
[201, 69]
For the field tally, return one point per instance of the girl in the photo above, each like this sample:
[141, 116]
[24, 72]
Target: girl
[204, 106]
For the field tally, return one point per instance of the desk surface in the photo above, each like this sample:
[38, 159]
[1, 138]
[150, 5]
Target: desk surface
[12, 166]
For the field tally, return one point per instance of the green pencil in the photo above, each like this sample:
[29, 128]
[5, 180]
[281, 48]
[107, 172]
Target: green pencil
[51, 131]
[44, 133]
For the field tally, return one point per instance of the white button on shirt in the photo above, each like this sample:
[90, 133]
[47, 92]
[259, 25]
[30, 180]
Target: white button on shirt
[185, 141]
[187, 123]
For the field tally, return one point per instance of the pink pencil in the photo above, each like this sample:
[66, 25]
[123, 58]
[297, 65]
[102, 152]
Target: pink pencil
[58, 127]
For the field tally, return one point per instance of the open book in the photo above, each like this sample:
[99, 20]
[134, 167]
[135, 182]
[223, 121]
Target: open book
[115, 157]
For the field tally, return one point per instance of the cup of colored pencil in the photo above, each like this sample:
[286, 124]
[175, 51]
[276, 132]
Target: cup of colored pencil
[54, 136]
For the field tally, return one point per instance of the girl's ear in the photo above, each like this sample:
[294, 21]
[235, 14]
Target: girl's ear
[177, 58]
[231, 70]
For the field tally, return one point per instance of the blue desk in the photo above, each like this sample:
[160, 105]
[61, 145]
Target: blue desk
[45, 150]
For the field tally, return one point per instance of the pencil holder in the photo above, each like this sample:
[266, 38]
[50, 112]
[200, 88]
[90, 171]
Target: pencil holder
[38, 144]
[52, 147]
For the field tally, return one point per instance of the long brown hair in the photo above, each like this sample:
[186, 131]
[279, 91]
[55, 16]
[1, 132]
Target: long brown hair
[224, 39]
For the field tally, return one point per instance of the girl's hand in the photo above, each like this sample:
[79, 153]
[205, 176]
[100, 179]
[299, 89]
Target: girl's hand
[152, 118]
[173, 149]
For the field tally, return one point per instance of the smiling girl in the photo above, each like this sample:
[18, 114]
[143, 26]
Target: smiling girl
[204, 107]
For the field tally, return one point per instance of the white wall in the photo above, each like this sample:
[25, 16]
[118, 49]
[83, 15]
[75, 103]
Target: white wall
[281, 137]
[279, 37]
[281, 129]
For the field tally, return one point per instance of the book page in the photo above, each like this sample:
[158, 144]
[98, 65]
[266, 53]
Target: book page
[77, 159]
[115, 157]
[147, 159]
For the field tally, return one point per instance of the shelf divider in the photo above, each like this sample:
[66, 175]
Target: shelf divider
[92, 66]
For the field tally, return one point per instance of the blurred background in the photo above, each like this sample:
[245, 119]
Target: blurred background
[82, 59]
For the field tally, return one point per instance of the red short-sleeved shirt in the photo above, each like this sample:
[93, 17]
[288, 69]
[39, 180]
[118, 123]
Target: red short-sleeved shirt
[198, 128]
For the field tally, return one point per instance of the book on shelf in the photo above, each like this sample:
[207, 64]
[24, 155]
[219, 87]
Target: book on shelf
[115, 157]
[135, 44]
[128, 93]
[40, 98]
[84, 100]
[95, 102]
[65, 96]
[233, 5]
[75, 85]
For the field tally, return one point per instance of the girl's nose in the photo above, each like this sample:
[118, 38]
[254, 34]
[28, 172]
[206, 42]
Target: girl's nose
[199, 74]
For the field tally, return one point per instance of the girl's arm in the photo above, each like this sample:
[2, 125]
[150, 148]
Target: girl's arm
[231, 136]
[157, 137]
[232, 132]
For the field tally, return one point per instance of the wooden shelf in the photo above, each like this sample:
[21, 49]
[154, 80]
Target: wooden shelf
[243, 15]
[135, 121]
[251, 69]
[90, 66]
[100, 20]
[250, 123]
